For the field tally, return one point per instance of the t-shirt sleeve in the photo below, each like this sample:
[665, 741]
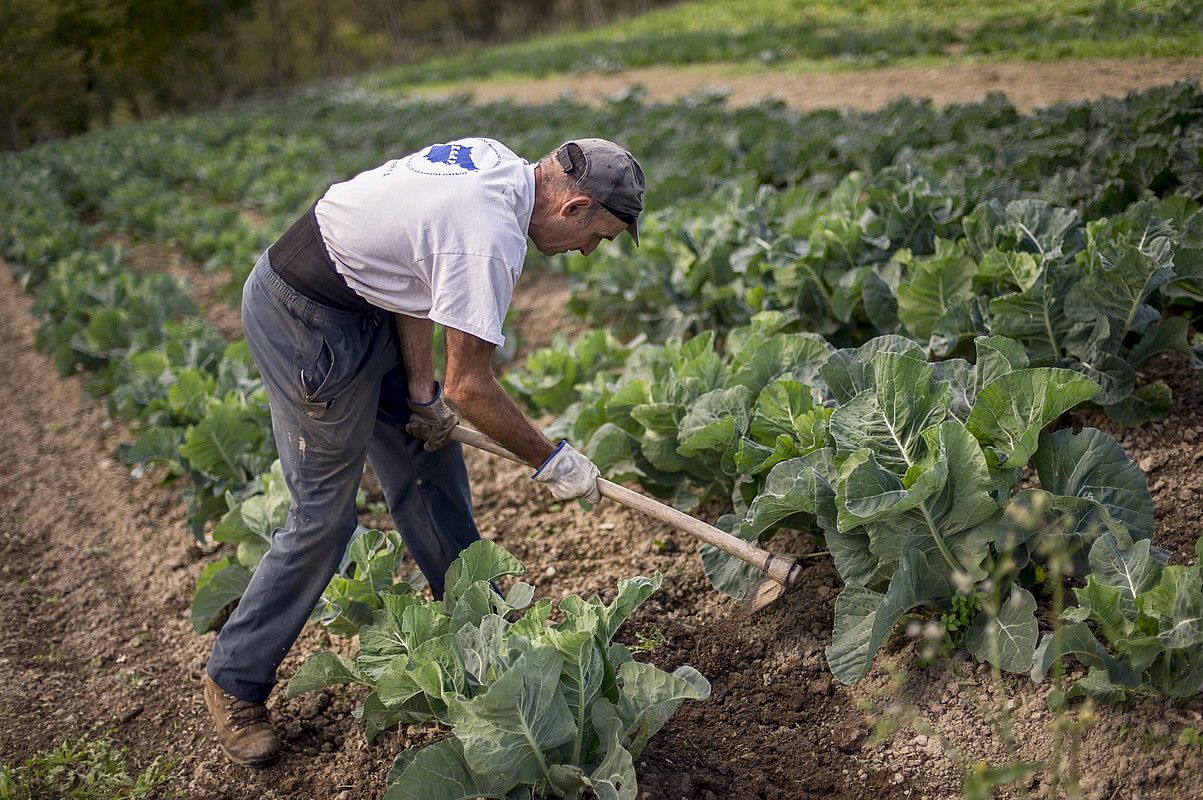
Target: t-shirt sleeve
[471, 293]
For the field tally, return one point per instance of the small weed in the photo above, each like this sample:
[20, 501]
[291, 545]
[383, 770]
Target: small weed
[982, 781]
[95, 552]
[52, 656]
[1190, 737]
[649, 642]
[659, 544]
[1152, 741]
[134, 680]
[938, 640]
[84, 768]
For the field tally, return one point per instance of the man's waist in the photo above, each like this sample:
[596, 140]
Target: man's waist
[301, 260]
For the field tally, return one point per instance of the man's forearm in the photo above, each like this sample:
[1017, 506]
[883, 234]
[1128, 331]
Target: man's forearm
[491, 411]
[416, 340]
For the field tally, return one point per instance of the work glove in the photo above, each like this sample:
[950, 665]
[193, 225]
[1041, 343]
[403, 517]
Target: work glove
[432, 422]
[570, 475]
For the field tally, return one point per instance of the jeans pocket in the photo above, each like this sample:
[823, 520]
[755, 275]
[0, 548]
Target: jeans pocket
[318, 375]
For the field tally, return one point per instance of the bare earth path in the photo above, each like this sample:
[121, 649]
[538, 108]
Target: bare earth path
[96, 577]
[1027, 83]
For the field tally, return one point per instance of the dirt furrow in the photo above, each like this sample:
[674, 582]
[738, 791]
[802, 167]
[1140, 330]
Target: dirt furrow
[96, 577]
[1028, 84]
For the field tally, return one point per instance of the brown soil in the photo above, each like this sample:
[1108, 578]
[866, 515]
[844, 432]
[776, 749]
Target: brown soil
[1027, 84]
[539, 305]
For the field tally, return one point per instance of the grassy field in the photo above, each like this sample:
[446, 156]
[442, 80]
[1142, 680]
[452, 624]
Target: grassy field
[809, 35]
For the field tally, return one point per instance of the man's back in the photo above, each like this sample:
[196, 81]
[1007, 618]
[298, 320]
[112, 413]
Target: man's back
[440, 233]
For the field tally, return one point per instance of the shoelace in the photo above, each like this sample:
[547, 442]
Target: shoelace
[244, 713]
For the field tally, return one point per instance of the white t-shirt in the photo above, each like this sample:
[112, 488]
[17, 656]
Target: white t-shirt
[438, 234]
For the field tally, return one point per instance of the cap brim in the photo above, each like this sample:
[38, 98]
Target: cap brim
[633, 229]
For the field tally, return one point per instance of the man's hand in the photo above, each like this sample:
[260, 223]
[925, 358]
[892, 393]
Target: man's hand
[570, 475]
[432, 422]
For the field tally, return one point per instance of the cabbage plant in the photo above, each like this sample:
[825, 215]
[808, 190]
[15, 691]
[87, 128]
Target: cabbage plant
[1148, 614]
[915, 493]
[535, 709]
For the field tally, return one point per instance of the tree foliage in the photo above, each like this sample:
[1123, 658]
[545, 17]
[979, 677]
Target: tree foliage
[70, 65]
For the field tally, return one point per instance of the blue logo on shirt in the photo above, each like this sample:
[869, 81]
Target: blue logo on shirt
[453, 155]
[460, 157]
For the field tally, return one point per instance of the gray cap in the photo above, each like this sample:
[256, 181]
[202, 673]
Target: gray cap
[607, 173]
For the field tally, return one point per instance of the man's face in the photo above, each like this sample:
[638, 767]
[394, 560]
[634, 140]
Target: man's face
[578, 224]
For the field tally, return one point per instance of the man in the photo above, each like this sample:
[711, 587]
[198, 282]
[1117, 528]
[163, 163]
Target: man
[339, 314]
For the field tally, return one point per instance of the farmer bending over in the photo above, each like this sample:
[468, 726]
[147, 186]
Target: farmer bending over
[339, 314]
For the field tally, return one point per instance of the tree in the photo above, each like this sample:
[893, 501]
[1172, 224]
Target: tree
[39, 76]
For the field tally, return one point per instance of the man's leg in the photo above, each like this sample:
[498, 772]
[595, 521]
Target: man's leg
[322, 421]
[427, 493]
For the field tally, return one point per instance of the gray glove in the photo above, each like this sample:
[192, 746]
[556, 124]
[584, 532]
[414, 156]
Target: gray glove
[570, 475]
[432, 422]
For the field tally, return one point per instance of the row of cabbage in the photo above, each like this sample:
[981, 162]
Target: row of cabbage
[982, 323]
[195, 400]
[193, 181]
[888, 250]
[888, 255]
[835, 259]
[915, 474]
[535, 708]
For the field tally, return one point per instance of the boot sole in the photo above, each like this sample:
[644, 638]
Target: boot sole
[254, 763]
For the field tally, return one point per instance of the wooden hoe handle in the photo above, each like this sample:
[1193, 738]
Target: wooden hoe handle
[782, 570]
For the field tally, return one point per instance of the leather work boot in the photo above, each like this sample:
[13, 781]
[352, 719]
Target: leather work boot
[242, 727]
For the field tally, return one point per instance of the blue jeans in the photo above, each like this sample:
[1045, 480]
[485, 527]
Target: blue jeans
[338, 395]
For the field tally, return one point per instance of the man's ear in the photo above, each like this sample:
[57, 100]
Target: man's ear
[576, 205]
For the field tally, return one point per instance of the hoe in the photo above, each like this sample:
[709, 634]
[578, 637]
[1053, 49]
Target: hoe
[783, 573]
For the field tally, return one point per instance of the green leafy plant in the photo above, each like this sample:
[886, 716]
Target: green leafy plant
[534, 709]
[87, 767]
[1149, 616]
[914, 488]
[892, 254]
[548, 381]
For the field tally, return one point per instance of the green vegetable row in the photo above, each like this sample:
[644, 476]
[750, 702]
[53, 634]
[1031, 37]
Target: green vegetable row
[913, 475]
[192, 180]
[884, 256]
